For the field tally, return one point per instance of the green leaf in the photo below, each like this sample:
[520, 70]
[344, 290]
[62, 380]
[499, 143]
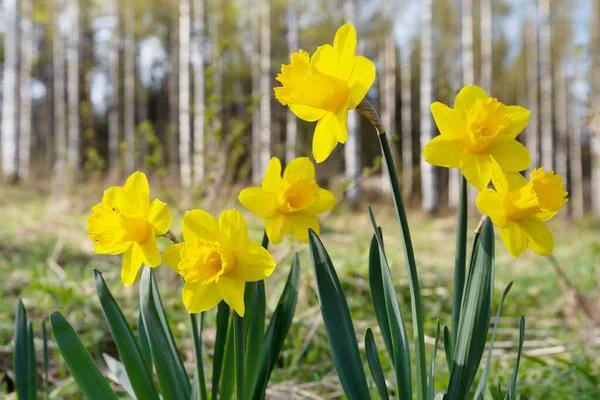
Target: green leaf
[173, 379]
[45, 342]
[431, 385]
[21, 357]
[512, 389]
[199, 386]
[461, 254]
[239, 337]
[132, 358]
[475, 316]
[223, 311]
[448, 349]
[228, 373]
[381, 283]
[254, 324]
[32, 367]
[119, 375]
[86, 374]
[338, 323]
[481, 388]
[278, 328]
[375, 365]
[143, 342]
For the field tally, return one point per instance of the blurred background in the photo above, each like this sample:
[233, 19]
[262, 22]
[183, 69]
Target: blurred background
[93, 90]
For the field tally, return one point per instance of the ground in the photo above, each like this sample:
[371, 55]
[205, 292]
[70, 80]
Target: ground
[46, 259]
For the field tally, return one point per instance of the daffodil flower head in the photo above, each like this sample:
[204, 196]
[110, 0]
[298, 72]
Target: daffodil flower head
[126, 222]
[519, 208]
[476, 130]
[325, 86]
[288, 204]
[216, 260]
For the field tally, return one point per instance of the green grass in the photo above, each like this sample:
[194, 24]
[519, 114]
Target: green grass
[46, 259]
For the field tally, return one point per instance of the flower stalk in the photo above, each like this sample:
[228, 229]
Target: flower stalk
[460, 260]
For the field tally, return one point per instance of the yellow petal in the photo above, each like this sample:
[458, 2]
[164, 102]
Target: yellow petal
[324, 60]
[111, 194]
[133, 259]
[341, 134]
[300, 224]
[326, 202]
[232, 291]
[137, 191]
[172, 256]
[490, 204]
[325, 138]
[159, 217]
[198, 224]
[540, 238]
[449, 121]
[258, 201]
[519, 117]
[511, 156]
[499, 178]
[344, 46]
[235, 232]
[513, 238]
[467, 97]
[112, 248]
[361, 80]
[272, 180]
[273, 229]
[198, 297]
[307, 113]
[444, 152]
[300, 167]
[253, 264]
[477, 169]
[151, 253]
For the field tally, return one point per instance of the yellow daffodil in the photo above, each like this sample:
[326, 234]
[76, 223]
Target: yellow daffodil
[289, 204]
[325, 86]
[519, 208]
[216, 260]
[126, 222]
[476, 130]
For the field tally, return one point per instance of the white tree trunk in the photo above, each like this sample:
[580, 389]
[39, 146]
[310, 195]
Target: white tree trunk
[388, 100]
[199, 106]
[255, 96]
[73, 155]
[406, 115]
[595, 106]
[560, 111]
[546, 86]
[9, 98]
[129, 86]
[291, 131]
[266, 91]
[215, 26]
[467, 42]
[486, 45]
[25, 89]
[113, 110]
[60, 130]
[532, 137]
[576, 196]
[185, 164]
[429, 187]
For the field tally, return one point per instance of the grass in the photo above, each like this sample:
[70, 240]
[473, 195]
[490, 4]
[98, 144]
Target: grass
[46, 259]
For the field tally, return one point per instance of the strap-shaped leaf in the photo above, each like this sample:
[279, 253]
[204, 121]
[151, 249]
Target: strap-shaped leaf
[134, 363]
[375, 365]
[84, 371]
[431, 384]
[228, 373]
[21, 358]
[512, 389]
[475, 316]
[254, 325]
[338, 323]
[143, 342]
[448, 348]
[223, 312]
[173, 379]
[45, 343]
[32, 364]
[119, 375]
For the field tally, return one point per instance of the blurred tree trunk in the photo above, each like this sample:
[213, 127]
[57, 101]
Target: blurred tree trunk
[429, 186]
[199, 106]
[10, 93]
[388, 98]
[25, 88]
[129, 86]
[576, 194]
[266, 90]
[595, 105]
[255, 95]
[547, 145]
[406, 116]
[114, 77]
[352, 153]
[532, 137]
[173, 99]
[560, 111]
[291, 131]
[73, 154]
[185, 165]
[60, 130]
[486, 45]
[218, 163]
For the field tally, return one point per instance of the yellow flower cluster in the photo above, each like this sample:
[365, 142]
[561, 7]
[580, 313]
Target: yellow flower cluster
[478, 136]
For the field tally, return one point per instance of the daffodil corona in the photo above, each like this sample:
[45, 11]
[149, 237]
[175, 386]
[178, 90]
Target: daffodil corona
[289, 204]
[325, 86]
[519, 208]
[476, 130]
[126, 222]
[216, 260]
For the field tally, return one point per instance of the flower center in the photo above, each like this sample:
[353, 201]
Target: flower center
[484, 121]
[205, 261]
[549, 189]
[297, 194]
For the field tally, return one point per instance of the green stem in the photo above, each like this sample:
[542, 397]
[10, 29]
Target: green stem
[197, 338]
[265, 241]
[238, 332]
[461, 257]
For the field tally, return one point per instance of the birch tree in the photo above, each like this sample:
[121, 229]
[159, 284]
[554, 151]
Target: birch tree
[60, 132]
[9, 93]
[291, 131]
[388, 97]
[265, 85]
[406, 116]
[114, 103]
[25, 88]
[486, 45]
[73, 154]
[129, 86]
[199, 98]
[214, 27]
[185, 166]
[254, 15]
[576, 200]
[595, 105]
[532, 137]
[560, 111]
[547, 145]
[430, 197]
